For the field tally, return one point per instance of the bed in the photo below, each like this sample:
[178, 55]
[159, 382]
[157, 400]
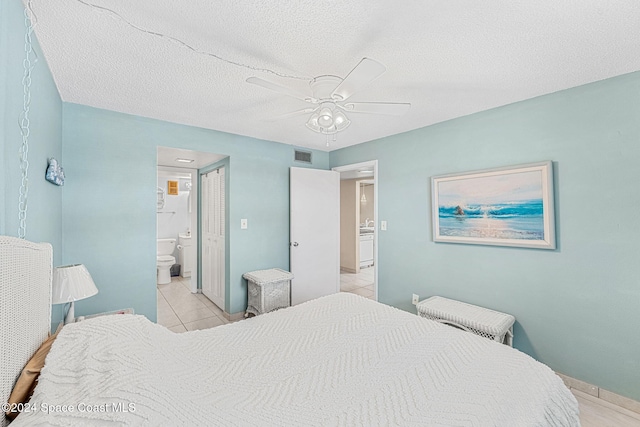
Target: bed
[337, 360]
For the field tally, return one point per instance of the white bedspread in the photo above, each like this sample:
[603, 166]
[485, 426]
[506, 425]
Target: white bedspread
[338, 360]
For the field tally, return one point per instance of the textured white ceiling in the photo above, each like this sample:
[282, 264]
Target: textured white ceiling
[448, 58]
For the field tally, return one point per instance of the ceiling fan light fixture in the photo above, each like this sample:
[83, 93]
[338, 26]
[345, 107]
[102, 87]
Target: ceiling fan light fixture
[328, 120]
[330, 98]
[328, 131]
[325, 118]
[312, 123]
[325, 121]
[340, 119]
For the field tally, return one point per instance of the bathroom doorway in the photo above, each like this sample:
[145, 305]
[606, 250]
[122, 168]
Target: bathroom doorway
[359, 229]
[177, 221]
[181, 305]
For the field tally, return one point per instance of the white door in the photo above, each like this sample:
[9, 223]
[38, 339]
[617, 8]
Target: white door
[213, 247]
[315, 233]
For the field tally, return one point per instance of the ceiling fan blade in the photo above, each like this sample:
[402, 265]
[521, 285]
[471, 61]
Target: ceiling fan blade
[296, 113]
[390, 108]
[364, 73]
[280, 89]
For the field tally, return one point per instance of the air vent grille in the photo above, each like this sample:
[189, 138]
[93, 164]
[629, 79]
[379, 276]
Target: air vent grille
[302, 156]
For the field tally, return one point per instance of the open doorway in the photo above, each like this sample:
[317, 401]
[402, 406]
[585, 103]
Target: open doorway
[358, 229]
[181, 305]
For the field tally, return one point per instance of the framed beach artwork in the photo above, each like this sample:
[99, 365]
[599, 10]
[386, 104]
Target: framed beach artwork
[510, 206]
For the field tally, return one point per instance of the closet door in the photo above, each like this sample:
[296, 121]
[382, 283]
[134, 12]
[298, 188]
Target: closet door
[213, 236]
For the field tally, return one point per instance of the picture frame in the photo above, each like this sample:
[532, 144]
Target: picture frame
[508, 206]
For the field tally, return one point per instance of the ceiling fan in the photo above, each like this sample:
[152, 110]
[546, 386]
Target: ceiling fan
[331, 95]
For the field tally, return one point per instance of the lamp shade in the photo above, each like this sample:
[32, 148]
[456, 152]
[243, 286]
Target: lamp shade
[72, 283]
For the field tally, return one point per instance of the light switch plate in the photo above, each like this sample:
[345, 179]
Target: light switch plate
[383, 225]
[244, 224]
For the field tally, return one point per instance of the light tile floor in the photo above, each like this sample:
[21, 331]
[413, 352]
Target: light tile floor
[360, 284]
[179, 310]
[595, 412]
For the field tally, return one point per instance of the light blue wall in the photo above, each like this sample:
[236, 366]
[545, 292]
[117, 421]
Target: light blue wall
[109, 212]
[44, 222]
[578, 307]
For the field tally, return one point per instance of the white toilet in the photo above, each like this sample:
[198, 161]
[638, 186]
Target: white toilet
[165, 260]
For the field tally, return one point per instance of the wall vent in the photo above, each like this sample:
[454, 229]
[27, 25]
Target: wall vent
[302, 156]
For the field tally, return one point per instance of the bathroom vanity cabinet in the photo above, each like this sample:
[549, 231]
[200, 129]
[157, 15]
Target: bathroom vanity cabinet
[185, 257]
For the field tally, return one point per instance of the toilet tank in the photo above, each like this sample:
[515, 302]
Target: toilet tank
[166, 246]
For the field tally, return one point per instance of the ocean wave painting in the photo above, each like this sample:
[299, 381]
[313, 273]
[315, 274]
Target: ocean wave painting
[500, 207]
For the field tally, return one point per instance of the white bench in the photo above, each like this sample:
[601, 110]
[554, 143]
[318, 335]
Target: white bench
[478, 320]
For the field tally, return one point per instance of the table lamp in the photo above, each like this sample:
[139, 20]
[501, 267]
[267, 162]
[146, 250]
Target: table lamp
[72, 283]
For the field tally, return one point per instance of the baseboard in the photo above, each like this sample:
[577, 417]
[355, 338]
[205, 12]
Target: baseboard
[600, 393]
[233, 317]
[348, 270]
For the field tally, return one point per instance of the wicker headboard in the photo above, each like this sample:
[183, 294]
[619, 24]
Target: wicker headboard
[25, 306]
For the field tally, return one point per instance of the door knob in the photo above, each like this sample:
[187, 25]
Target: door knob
[294, 244]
